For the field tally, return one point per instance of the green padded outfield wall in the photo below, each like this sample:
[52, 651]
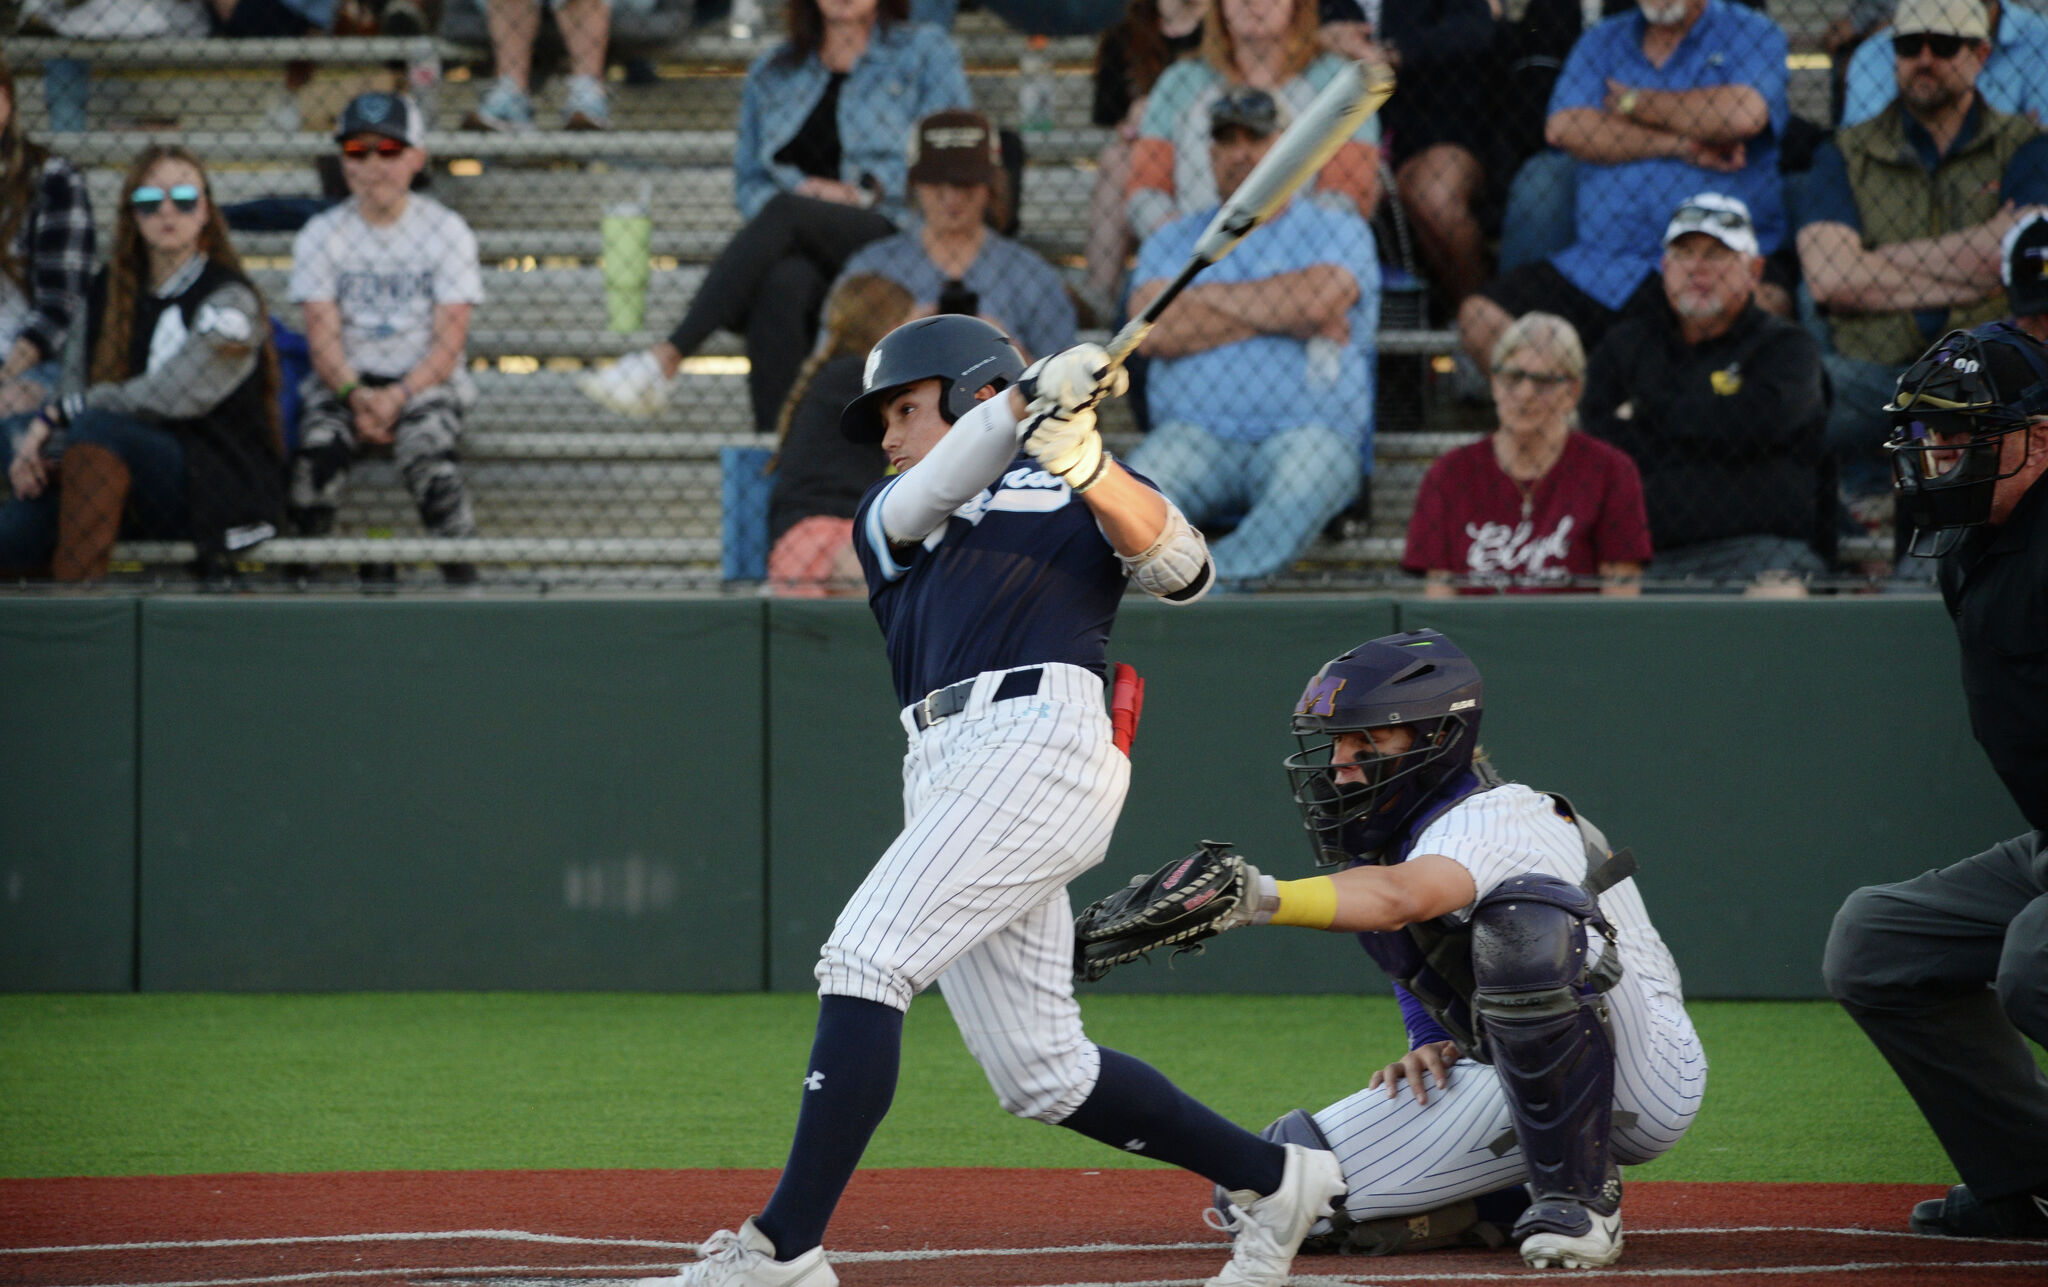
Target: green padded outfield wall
[67, 794]
[451, 794]
[680, 793]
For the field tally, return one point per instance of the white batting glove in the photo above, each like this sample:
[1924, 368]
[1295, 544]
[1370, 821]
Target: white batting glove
[1068, 446]
[1073, 379]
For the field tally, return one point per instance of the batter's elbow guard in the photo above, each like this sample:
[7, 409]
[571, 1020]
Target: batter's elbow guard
[1176, 567]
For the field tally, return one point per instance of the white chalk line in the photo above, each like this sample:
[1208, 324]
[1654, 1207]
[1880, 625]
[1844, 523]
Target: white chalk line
[548, 1274]
[624, 1273]
[558, 1239]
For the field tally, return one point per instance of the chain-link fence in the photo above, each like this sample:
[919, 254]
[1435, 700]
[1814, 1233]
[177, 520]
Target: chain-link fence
[325, 294]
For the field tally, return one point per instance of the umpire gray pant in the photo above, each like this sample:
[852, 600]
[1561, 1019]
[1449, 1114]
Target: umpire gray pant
[1945, 972]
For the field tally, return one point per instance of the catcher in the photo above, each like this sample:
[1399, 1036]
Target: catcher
[1548, 1036]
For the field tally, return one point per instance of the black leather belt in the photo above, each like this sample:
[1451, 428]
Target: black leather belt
[952, 699]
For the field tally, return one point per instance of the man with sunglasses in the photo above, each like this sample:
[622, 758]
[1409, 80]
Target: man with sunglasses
[387, 280]
[1947, 973]
[1721, 404]
[2014, 79]
[1903, 215]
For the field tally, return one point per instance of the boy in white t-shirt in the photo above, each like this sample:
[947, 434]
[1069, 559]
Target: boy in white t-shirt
[387, 281]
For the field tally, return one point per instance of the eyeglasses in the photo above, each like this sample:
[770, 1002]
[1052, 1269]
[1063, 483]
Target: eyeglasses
[1543, 380]
[147, 201]
[1943, 46]
[357, 149]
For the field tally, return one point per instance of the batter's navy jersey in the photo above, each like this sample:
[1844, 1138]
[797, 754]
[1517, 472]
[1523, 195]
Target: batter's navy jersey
[1018, 576]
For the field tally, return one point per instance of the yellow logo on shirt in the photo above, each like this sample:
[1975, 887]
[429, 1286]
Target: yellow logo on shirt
[1727, 383]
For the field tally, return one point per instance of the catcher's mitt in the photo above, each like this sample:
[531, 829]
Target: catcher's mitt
[1184, 902]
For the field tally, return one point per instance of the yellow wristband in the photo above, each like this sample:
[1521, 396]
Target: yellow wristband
[1311, 903]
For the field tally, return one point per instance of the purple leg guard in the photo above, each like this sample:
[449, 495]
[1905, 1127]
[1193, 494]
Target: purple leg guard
[1549, 1040]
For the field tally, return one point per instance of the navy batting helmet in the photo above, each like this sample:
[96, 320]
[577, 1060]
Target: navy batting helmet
[1417, 679]
[965, 354]
[1950, 417]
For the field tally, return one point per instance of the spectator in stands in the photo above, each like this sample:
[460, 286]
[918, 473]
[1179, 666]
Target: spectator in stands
[1535, 506]
[46, 249]
[820, 172]
[1680, 96]
[1722, 405]
[387, 280]
[1261, 381]
[1902, 219]
[170, 429]
[1132, 56]
[507, 106]
[1267, 45]
[2014, 79]
[820, 475]
[952, 261]
[1441, 129]
[2024, 257]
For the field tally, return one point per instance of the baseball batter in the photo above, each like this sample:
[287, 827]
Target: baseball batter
[1517, 941]
[995, 574]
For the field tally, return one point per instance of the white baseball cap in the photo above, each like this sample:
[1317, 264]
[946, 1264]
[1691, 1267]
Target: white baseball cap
[1966, 18]
[1724, 218]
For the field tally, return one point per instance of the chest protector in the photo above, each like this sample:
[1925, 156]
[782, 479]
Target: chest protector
[1432, 960]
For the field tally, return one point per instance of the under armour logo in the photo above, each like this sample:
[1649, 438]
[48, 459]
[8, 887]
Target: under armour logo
[816, 1081]
[1134, 1146]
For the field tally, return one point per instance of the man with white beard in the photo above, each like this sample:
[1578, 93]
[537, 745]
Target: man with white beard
[1678, 97]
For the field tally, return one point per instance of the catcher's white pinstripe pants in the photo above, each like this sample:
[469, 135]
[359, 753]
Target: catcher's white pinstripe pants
[1401, 1157]
[1004, 803]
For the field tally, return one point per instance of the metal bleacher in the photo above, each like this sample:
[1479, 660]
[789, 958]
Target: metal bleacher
[563, 489]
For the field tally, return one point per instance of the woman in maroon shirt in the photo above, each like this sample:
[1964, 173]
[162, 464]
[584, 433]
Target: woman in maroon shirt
[1535, 506]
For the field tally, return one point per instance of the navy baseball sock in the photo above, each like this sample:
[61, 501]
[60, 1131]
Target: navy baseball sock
[847, 1089]
[1135, 1108]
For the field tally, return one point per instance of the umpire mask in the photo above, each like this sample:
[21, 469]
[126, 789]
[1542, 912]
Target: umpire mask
[1950, 416]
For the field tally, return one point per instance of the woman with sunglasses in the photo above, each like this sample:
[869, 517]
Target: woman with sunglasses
[172, 431]
[1535, 506]
[46, 251]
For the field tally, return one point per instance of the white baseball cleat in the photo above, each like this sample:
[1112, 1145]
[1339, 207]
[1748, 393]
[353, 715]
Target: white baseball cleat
[1597, 1248]
[632, 386]
[747, 1259]
[1269, 1230]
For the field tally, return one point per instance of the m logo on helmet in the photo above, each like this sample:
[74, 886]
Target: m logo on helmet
[1321, 697]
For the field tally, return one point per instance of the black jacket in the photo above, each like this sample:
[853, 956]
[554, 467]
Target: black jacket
[1727, 435]
[1995, 583]
[233, 463]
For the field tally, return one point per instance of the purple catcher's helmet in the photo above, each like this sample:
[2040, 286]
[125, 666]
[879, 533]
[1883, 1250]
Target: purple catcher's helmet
[1419, 679]
[1949, 418]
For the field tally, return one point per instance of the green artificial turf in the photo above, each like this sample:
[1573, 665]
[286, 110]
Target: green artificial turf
[167, 1084]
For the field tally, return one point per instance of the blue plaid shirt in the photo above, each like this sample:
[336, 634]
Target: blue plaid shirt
[54, 248]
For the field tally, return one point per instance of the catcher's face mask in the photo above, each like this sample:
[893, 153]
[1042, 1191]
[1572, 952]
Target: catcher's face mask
[1950, 417]
[1359, 783]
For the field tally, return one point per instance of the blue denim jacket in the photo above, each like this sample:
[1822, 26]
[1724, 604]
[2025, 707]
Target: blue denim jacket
[908, 72]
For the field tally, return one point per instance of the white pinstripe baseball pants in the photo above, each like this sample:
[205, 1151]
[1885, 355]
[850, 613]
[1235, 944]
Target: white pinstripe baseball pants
[1004, 803]
[1400, 1157]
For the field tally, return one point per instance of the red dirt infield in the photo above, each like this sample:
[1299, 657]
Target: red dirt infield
[914, 1228]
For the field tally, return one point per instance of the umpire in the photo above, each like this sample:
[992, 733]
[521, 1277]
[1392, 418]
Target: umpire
[1948, 972]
